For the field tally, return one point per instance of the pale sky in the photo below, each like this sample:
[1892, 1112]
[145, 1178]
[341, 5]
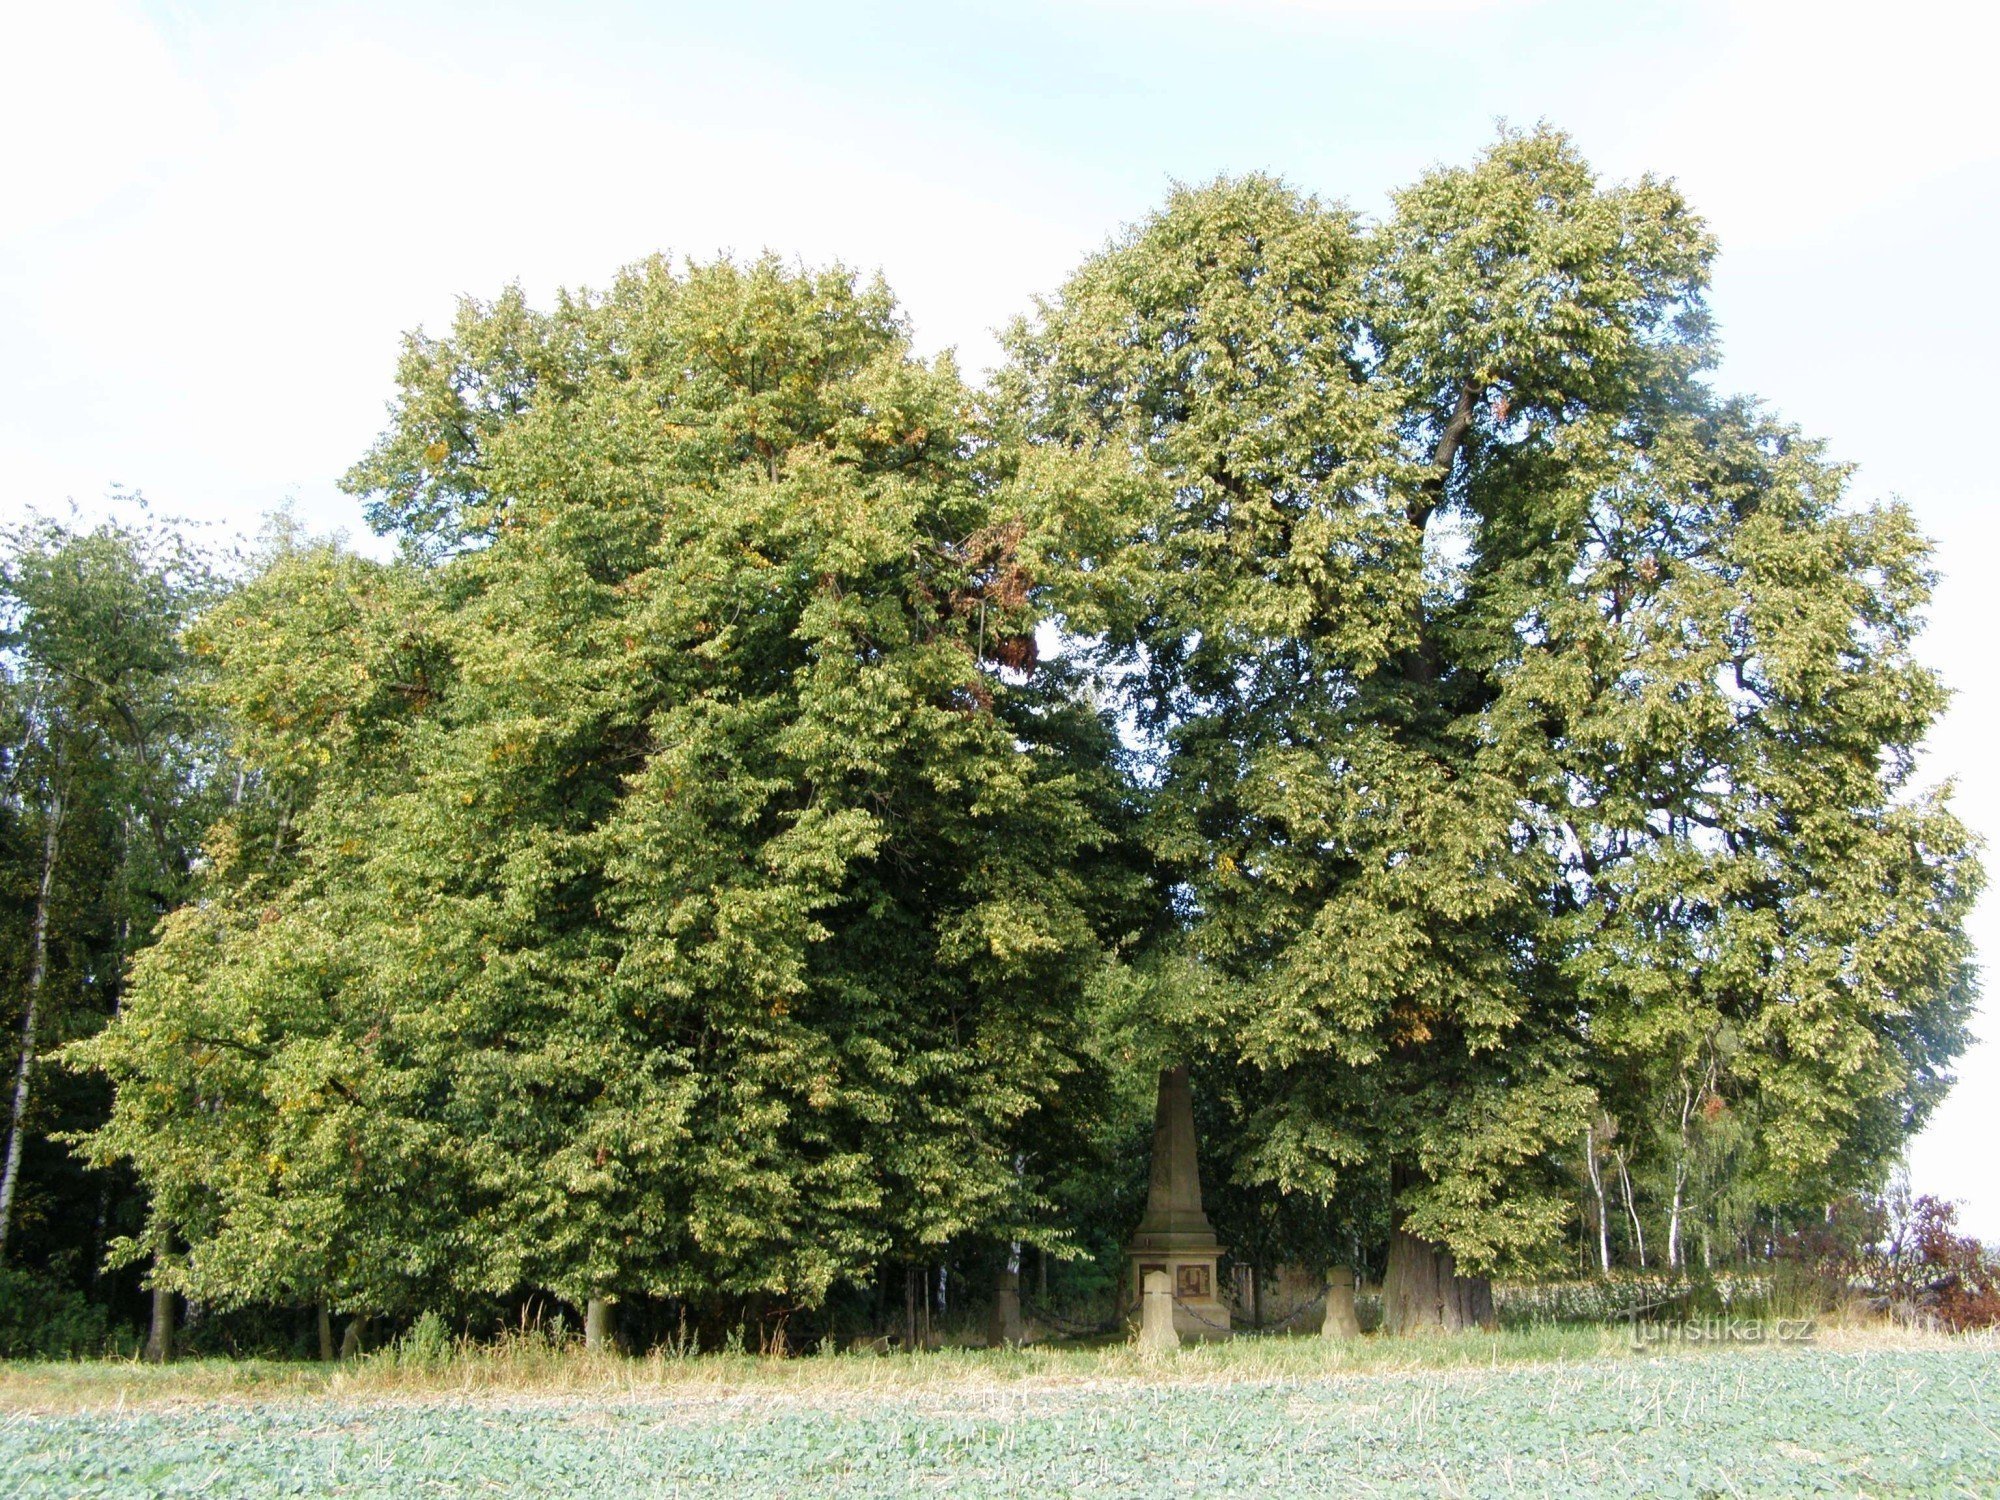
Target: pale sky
[217, 218]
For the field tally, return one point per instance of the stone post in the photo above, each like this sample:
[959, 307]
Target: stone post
[1156, 1318]
[1340, 1322]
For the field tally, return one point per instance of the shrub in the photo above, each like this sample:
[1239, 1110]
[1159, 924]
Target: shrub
[40, 1318]
[1926, 1268]
[426, 1344]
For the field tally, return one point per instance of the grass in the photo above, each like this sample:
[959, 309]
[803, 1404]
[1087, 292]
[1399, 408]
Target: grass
[1548, 1410]
[533, 1365]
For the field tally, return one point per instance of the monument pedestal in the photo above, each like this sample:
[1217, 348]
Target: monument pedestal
[1174, 1237]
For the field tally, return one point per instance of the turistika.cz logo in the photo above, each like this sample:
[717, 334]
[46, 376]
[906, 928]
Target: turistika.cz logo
[1647, 1332]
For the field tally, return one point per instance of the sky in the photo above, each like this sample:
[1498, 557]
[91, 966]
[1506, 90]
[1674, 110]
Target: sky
[217, 220]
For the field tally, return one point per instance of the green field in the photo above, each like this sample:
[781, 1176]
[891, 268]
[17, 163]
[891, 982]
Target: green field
[1304, 1420]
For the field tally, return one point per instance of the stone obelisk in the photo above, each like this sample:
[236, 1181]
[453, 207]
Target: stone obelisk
[1175, 1236]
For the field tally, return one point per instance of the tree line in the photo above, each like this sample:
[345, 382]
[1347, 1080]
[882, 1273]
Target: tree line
[757, 842]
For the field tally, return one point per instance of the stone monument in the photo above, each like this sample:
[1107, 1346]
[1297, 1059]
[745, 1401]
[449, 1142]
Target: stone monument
[1174, 1237]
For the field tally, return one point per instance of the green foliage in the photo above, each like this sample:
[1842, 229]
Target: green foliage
[428, 1343]
[42, 1317]
[1529, 728]
[685, 885]
[782, 806]
[109, 770]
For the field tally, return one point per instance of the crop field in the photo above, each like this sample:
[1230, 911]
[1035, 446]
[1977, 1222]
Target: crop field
[1867, 1418]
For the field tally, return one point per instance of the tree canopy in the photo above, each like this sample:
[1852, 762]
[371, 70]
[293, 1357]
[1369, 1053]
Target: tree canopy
[691, 879]
[109, 769]
[783, 803]
[1532, 726]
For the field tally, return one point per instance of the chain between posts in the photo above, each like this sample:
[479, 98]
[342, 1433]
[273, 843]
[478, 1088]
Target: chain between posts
[1068, 1325]
[1205, 1322]
[1076, 1329]
[1264, 1324]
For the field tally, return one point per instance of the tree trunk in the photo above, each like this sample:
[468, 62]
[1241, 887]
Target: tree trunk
[912, 1288]
[1004, 1329]
[325, 1334]
[1422, 1291]
[38, 971]
[1674, 1252]
[1603, 1212]
[1674, 1255]
[160, 1336]
[598, 1337]
[350, 1338]
[1631, 1209]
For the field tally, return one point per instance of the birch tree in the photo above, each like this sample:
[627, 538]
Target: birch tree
[110, 774]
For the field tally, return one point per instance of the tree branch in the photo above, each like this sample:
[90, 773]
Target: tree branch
[1450, 442]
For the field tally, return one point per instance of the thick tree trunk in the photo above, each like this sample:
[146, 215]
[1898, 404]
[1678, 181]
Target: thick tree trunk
[1422, 1291]
[597, 1334]
[325, 1334]
[38, 971]
[350, 1338]
[160, 1336]
[1004, 1329]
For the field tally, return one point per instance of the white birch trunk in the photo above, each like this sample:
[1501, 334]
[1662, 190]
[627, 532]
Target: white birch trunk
[38, 970]
[1673, 1223]
[1674, 1253]
[1631, 1209]
[1597, 1186]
